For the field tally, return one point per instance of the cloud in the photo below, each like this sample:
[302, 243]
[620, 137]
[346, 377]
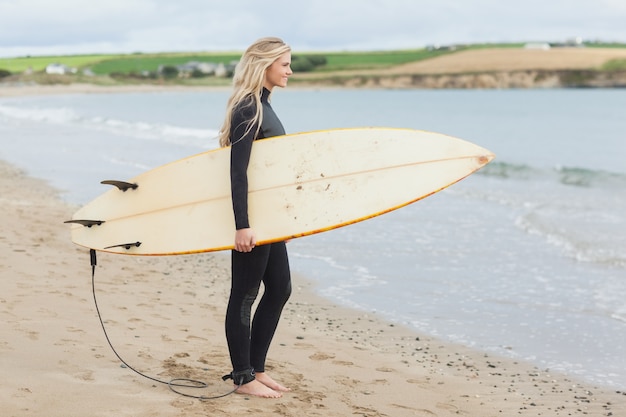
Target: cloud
[79, 26]
[42, 23]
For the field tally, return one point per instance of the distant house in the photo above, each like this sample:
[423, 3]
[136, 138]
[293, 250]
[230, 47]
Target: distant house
[59, 69]
[221, 70]
[204, 68]
[575, 42]
[537, 45]
[438, 47]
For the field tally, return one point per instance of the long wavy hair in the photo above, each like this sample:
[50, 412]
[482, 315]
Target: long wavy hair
[248, 82]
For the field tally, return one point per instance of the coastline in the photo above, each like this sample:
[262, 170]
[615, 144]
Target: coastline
[20, 90]
[498, 80]
[482, 68]
[165, 317]
[514, 79]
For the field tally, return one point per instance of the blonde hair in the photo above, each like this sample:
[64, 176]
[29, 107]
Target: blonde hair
[248, 82]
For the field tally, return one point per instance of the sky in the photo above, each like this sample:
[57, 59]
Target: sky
[61, 27]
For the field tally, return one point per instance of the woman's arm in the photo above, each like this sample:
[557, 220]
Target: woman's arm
[242, 139]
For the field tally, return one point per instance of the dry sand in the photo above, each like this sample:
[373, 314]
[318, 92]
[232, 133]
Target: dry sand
[17, 90]
[165, 318]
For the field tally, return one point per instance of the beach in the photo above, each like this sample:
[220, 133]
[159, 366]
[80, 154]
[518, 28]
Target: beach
[164, 316]
[21, 90]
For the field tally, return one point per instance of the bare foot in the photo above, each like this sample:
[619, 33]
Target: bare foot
[258, 389]
[266, 380]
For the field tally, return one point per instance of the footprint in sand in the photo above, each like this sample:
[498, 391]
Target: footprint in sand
[84, 376]
[346, 381]
[32, 335]
[320, 356]
[423, 384]
[303, 345]
[448, 407]
[420, 412]
[343, 363]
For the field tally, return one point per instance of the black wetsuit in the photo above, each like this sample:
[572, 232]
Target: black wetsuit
[248, 343]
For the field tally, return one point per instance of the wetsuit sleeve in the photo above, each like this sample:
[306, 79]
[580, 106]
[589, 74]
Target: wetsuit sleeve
[240, 151]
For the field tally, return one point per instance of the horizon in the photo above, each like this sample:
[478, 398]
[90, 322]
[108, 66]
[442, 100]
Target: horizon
[330, 51]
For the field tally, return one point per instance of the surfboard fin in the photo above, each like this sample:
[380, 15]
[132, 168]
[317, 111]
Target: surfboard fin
[126, 246]
[86, 223]
[122, 185]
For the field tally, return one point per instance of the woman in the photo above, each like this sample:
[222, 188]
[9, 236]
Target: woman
[249, 116]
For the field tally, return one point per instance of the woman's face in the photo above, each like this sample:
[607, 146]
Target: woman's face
[278, 73]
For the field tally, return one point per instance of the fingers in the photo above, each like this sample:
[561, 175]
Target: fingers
[245, 240]
[244, 247]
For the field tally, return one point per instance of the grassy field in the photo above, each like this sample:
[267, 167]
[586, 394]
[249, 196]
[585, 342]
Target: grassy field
[614, 65]
[106, 64]
[127, 63]
[38, 63]
[340, 61]
[139, 62]
[462, 59]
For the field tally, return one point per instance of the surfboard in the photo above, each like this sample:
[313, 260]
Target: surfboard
[299, 184]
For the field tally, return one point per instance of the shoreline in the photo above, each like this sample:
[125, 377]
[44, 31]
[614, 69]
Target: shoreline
[165, 317]
[493, 80]
[23, 90]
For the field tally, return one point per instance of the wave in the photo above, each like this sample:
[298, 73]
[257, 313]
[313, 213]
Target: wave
[571, 176]
[178, 135]
[588, 241]
[578, 211]
[584, 177]
[203, 139]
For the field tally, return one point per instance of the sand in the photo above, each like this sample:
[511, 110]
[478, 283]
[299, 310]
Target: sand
[19, 90]
[165, 316]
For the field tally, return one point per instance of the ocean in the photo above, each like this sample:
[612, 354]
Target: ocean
[525, 259]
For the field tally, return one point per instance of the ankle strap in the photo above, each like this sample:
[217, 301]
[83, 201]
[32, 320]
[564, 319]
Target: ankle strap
[241, 377]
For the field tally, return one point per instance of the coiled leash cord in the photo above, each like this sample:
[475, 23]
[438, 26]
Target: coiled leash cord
[176, 382]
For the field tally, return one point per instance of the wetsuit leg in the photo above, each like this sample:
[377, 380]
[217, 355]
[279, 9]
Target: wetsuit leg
[265, 263]
[277, 289]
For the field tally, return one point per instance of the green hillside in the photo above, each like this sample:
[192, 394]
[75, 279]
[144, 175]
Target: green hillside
[129, 63]
[109, 69]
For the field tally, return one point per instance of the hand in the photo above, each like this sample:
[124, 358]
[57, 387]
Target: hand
[245, 240]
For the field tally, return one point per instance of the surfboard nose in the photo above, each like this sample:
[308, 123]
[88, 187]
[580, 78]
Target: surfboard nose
[485, 159]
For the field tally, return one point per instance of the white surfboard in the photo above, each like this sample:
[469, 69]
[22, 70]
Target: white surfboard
[299, 184]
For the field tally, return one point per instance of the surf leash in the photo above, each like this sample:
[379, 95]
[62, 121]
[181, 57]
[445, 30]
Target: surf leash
[174, 383]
